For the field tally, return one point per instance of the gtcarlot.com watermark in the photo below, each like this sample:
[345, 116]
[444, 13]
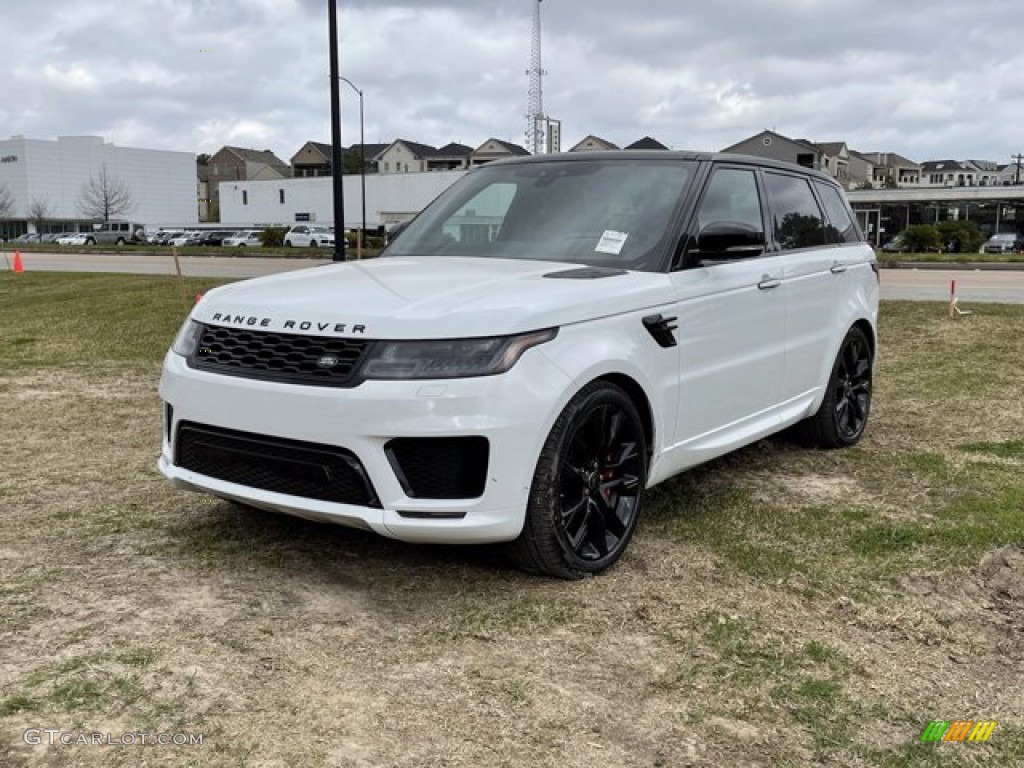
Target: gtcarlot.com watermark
[52, 737]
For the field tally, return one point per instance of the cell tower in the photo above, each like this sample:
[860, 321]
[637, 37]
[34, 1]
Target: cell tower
[536, 121]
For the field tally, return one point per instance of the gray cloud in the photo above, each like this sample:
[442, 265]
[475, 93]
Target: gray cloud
[926, 79]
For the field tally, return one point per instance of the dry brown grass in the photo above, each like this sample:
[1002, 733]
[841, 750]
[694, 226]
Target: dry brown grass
[743, 628]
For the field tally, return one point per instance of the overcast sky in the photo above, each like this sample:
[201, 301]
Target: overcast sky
[942, 79]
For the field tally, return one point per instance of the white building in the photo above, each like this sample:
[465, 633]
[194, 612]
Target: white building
[161, 183]
[390, 199]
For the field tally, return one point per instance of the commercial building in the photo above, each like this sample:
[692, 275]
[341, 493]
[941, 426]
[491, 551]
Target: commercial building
[391, 199]
[49, 175]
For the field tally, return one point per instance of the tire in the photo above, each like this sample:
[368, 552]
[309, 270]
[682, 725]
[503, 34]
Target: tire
[587, 487]
[120, 241]
[843, 416]
[287, 243]
[90, 241]
[312, 243]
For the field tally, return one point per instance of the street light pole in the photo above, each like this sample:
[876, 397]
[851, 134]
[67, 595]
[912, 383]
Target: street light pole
[362, 162]
[339, 192]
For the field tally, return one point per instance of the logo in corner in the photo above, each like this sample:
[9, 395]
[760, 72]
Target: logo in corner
[958, 730]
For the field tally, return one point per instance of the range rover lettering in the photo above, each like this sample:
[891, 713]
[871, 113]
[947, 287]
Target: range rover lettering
[546, 340]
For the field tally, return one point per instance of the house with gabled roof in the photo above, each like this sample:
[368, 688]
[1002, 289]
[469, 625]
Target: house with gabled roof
[450, 157]
[592, 143]
[242, 164]
[314, 159]
[495, 149]
[646, 143]
[893, 170]
[778, 147]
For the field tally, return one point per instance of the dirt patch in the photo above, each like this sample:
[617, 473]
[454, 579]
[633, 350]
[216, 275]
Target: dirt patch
[125, 605]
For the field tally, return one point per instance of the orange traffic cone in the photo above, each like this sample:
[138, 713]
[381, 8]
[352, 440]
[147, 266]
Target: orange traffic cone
[18, 266]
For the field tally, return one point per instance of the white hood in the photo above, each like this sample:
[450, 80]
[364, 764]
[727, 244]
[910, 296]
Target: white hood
[433, 297]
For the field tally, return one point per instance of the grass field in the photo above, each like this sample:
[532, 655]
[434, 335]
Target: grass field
[778, 607]
[950, 258]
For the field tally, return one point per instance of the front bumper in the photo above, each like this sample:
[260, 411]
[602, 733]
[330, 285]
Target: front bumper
[513, 411]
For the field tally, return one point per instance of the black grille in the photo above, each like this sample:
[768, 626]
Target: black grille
[293, 467]
[440, 467]
[286, 357]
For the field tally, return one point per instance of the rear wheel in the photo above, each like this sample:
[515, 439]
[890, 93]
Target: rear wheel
[843, 415]
[287, 243]
[585, 498]
[312, 243]
[120, 241]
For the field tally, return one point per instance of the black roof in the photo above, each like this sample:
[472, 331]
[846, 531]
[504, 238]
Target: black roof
[646, 143]
[655, 154]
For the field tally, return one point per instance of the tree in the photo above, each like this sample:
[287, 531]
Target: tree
[104, 196]
[6, 202]
[39, 210]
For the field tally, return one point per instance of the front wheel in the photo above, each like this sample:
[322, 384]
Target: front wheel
[843, 415]
[312, 243]
[585, 497]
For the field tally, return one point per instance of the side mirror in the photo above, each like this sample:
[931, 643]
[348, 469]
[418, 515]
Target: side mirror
[722, 240]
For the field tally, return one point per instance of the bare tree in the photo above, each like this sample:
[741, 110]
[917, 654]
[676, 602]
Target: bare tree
[39, 210]
[6, 202]
[104, 196]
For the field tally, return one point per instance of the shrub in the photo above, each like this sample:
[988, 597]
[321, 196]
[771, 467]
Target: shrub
[273, 237]
[959, 236]
[921, 237]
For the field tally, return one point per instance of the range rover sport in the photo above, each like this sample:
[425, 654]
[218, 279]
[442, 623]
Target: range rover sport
[547, 339]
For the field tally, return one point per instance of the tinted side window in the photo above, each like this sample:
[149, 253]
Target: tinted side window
[796, 218]
[842, 229]
[731, 196]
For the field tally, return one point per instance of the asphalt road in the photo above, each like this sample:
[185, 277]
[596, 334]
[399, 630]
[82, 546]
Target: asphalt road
[1005, 286]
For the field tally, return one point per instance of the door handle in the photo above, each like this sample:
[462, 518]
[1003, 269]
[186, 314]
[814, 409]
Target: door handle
[767, 281]
[838, 268]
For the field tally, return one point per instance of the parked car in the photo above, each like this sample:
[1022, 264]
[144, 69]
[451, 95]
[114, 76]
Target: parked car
[215, 237]
[249, 237]
[164, 236]
[303, 236]
[50, 237]
[896, 245]
[76, 238]
[28, 237]
[186, 238]
[1002, 243]
[548, 338]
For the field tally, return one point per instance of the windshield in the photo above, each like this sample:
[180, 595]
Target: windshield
[611, 212]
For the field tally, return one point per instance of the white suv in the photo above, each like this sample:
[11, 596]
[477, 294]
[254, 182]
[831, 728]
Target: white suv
[550, 337]
[303, 236]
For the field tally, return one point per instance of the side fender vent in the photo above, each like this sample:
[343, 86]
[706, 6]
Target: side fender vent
[661, 328]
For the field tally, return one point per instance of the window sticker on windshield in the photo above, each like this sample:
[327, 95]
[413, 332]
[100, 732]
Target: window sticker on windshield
[611, 242]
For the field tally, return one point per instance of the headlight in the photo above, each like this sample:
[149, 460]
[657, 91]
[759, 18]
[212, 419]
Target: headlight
[450, 358]
[188, 338]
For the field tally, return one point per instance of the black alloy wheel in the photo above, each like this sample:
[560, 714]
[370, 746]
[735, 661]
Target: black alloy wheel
[843, 416]
[587, 487]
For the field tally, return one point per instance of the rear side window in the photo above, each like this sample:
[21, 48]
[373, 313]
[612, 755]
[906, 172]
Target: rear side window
[841, 227]
[797, 220]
